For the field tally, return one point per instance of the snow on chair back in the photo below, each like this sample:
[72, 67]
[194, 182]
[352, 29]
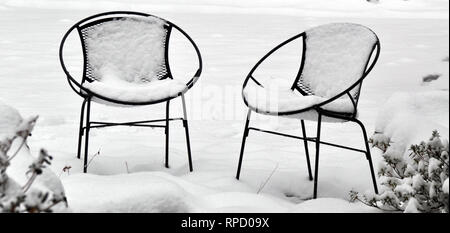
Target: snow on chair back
[125, 49]
[336, 57]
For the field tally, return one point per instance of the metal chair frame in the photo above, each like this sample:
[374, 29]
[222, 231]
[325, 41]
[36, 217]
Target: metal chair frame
[320, 112]
[87, 95]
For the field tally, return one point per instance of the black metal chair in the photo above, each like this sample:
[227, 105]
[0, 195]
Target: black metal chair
[335, 60]
[150, 80]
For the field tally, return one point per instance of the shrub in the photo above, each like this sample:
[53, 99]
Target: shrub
[13, 196]
[418, 183]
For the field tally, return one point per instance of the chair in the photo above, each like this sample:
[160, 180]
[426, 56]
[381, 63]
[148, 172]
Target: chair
[335, 60]
[126, 63]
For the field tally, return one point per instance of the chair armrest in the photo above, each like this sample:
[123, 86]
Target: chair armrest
[72, 81]
[250, 74]
[194, 79]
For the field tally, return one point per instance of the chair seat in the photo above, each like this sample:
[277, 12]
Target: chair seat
[279, 99]
[137, 92]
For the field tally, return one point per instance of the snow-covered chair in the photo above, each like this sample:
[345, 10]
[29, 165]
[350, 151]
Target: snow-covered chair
[335, 60]
[126, 62]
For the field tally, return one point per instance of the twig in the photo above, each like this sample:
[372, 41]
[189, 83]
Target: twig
[65, 169]
[376, 206]
[24, 133]
[267, 180]
[89, 162]
[29, 182]
[18, 149]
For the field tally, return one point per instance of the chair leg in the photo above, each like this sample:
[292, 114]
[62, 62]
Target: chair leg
[167, 135]
[244, 137]
[316, 170]
[86, 137]
[80, 132]
[368, 155]
[306, 150]
[186, 129]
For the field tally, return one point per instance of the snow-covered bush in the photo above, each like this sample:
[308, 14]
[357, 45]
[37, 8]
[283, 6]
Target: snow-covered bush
[418, 183]
[380, 141]
[15, 197]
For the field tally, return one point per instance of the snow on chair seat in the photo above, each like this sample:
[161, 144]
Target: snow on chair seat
[132, 92]
[279, 99]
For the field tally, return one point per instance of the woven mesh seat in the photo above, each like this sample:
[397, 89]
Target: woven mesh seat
[118, 38]
[336, 57]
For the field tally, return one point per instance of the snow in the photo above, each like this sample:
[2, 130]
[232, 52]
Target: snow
[138, 192]
[412, 206]
[277, 96]
[130, 49]
[331, 205]
[236, 202]
[418, 181]
[48, 180]
[10, 120]
[232, 36]
[336, 57]
[380, 141]
[400, 114]
[405, 188]
[433, 166]
[131, 92]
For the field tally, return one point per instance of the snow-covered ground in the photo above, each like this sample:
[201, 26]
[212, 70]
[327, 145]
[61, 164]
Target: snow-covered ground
[128, 173]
